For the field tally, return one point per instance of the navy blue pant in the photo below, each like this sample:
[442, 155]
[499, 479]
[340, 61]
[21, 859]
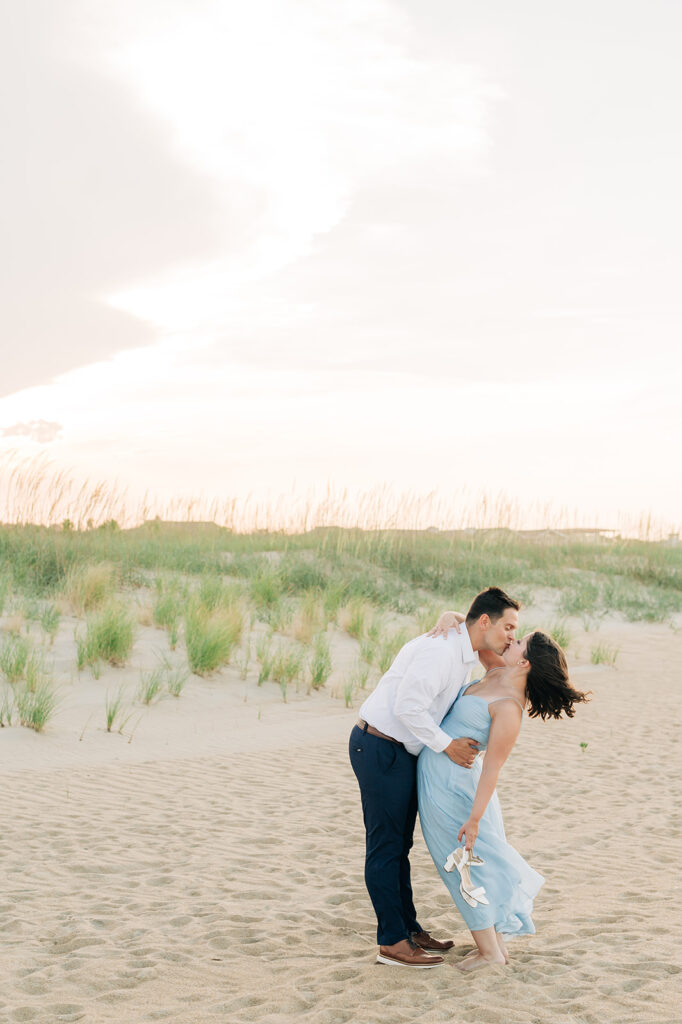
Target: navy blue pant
[387, 776]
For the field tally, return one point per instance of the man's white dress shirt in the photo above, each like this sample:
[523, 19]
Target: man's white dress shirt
[414, 696]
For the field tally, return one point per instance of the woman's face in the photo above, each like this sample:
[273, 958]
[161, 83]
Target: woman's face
[516, 650]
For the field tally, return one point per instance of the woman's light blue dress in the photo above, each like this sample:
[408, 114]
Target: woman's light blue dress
[446, 796]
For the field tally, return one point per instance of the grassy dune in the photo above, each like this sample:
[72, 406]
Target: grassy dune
[265, 602]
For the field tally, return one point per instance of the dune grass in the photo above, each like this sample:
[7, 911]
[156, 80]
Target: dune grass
[36, 707]
[113, 709]
[90, 586]
[320, 662]
[604, 654]
[109, 636]
[212, 580]
[211, 636]
[6, 706]
[14, 653]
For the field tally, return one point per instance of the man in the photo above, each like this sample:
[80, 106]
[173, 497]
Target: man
[401, 716]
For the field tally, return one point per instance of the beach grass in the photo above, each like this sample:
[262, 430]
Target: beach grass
[109, 636]
[35, 707]
[113, 708]
[604, 654]
[6, 706]
[320, 662]
[90, 586]
[211, 636]
[151, 685]
[14, 653]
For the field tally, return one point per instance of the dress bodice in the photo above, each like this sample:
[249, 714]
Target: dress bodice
[469, 716]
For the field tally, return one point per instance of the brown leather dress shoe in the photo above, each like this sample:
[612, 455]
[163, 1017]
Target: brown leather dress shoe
[405, 954]
[431, 945]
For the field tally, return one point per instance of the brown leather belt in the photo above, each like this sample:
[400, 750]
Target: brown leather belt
[375, 732]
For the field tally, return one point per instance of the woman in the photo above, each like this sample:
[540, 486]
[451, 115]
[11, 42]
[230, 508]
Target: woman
[458, 803]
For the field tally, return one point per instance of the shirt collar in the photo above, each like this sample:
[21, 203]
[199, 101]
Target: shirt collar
[463, 644]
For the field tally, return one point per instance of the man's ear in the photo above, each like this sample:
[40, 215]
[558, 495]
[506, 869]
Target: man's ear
[484, 622]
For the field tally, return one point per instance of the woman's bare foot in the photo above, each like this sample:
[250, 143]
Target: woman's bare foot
[473, 962]
[503, 949]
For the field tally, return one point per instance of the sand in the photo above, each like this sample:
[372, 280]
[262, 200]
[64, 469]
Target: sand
[211, 869]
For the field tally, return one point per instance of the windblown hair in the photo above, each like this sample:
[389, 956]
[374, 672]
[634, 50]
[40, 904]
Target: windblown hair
[492, 602]
[548, 687]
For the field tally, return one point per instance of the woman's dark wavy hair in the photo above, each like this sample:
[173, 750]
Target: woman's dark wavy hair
[548, 687]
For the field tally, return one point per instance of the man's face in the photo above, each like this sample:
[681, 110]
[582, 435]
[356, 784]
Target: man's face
[498, 635]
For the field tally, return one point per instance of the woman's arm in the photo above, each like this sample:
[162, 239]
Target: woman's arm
[504, 730]
[448, 620]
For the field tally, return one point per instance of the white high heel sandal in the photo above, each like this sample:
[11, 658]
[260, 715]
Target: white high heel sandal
[460, 860]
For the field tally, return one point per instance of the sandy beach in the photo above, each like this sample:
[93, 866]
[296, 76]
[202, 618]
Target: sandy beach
[209, 868]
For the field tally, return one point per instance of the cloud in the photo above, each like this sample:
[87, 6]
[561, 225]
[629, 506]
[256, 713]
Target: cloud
[98, 201]
[37, 430]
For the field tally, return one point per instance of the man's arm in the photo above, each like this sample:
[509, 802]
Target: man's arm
[426, 678]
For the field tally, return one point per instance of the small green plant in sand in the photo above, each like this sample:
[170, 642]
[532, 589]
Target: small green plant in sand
[6, 707]
[4, 592]
[266, 657]
[560, 634]
[176, 678]
[113, 708]
[211, 636]
[36, 707]
[151, 685]
[348, 691]
[583, 746]
[320, 662]
[309, 615]
[35, 672]
[287, 667]
[388, 648]
[14, 653]
[243, 659]
[90, 586]
[603, 654]
[266, 590]
[50, 618]
[580, 598]
[356, 616]
[109, 636]
[167, 611]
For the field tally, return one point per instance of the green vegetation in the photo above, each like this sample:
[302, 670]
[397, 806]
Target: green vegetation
[6, 707]
[36, 707]
[89, 586]
[320, 662]
[388, 647]
[113, 708]
[50, 617]
[204, 585]
[602, 654]
[109, 636]
[151, 685]
[211, 636]
[14, 652]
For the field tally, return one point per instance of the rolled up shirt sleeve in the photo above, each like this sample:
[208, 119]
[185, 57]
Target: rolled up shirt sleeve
[427, 676]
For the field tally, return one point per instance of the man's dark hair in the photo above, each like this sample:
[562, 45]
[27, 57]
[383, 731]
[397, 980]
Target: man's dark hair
[492, 602]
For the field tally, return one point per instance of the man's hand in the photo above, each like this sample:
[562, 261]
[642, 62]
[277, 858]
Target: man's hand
[448, 620]
[462, 751]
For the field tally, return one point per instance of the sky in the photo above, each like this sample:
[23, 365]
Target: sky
[270, 248]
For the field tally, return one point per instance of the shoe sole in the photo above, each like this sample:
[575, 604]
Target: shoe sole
[401, 963]
[438, 952]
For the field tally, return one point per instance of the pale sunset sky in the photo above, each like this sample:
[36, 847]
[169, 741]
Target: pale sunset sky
[262, 247]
